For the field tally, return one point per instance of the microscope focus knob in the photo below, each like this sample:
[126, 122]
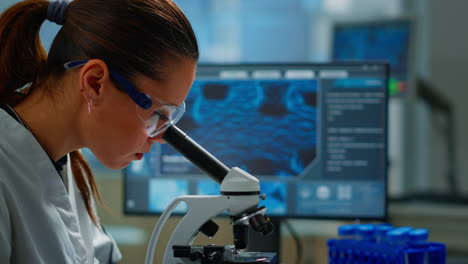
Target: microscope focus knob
[209, 229]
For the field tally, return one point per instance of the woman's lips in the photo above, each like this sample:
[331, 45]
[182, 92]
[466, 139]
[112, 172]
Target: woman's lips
[139, 156]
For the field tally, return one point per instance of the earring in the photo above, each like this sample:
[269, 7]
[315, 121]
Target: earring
[90, 102]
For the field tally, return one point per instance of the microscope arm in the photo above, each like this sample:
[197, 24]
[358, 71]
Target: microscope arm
[200, 209]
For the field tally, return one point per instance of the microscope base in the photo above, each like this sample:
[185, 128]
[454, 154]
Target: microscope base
[262, 257]
[223, 255]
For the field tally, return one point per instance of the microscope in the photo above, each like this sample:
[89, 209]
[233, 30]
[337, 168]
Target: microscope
[240, 196]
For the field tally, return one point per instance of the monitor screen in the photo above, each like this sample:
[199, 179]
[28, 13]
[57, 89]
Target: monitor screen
[376, 40]
[315, 135]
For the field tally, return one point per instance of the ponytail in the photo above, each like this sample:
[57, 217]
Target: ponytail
[23, 62]
[22, 56]
[88, 188]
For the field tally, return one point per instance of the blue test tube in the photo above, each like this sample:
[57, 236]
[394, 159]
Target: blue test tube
[365, 232]
[381, 232]
[398, 239]
[398, 236]
[418, 236]
[437, 253]
[418, 252]
[347, 231]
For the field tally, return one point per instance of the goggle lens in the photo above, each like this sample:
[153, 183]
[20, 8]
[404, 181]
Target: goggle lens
[161, 118]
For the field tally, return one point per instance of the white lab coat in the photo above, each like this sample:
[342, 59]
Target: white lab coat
[43, 218]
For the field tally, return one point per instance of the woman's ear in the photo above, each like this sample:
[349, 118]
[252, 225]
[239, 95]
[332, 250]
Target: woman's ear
[94, 78]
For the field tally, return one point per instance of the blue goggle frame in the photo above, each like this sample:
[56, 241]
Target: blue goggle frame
[140, 98]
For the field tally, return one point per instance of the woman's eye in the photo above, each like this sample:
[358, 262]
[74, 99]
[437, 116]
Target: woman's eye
[162, 116]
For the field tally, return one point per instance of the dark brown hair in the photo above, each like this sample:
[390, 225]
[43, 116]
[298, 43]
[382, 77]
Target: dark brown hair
[134, 37]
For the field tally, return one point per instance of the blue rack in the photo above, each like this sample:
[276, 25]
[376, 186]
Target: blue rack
[364, 244]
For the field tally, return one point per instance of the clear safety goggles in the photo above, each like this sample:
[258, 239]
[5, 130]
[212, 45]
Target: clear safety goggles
[156, 114]
[161, 117]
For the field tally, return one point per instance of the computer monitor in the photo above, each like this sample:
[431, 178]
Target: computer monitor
[387, 40]
[314, 134]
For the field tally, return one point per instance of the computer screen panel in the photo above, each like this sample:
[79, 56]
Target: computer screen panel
[314, 134]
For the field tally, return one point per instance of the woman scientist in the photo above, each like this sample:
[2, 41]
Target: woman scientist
[116, 76]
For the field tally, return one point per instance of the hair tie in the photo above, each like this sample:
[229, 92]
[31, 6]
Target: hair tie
[56, 11]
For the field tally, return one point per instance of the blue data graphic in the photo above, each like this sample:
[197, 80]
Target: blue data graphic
[374, 41]
[163, 191]
[208, 187]
[359, 83]
[276, 193]
[247, 124]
